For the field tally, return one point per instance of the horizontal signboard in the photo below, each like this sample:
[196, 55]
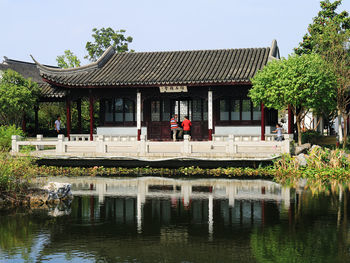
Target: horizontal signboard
[164, 89]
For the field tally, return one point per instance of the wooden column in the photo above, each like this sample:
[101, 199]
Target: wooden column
[290, 120]
[68, 116]
[91, 99]
[138, 115]
[24, 123]
[262, 122]
[79, 115]
[36, 119]
[210, 115]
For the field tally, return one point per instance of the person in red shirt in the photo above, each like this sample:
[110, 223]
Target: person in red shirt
[186, 124]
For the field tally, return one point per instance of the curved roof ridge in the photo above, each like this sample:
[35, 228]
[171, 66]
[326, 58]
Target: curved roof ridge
[97, 64]
[196, 50]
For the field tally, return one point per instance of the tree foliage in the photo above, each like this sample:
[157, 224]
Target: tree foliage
[104, 38]
[68, 60]
[17, 97]
[333, 46]
[326, 15]
[303, 82]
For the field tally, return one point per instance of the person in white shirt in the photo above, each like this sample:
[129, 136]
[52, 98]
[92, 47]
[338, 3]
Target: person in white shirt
[279, 130]
[58, 124]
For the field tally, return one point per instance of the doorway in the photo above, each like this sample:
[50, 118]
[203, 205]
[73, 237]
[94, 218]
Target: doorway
[161, 110]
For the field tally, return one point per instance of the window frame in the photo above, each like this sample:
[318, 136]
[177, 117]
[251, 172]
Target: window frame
[228, 102]
[123, 122]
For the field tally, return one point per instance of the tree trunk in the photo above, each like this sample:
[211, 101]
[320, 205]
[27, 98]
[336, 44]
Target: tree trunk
[340, 129]
[299, 129]
[345, 118]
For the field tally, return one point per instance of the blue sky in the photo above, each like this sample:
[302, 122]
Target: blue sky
[45, 28]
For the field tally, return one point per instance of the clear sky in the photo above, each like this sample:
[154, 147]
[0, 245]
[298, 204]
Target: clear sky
[45, 28]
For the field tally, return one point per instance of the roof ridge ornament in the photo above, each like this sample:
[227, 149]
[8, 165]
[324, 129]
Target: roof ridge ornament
[66, 71]
[274, 51]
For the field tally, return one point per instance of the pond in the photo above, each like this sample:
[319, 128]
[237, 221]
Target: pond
[153, 219]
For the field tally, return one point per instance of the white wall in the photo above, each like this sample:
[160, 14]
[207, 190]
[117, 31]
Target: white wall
[120, 130]
[250, 130]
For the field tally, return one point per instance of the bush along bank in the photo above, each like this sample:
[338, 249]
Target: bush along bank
[324, 169]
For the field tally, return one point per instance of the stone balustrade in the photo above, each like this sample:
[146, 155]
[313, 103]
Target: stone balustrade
[228, 147]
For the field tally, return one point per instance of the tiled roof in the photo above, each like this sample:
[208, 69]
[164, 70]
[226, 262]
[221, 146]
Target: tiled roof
[30, 70]
[165, 68]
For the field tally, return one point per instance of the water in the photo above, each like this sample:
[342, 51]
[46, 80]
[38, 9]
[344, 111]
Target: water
[166, 220]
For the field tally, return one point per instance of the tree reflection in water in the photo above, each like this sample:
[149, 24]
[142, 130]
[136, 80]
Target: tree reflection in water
[157, 220]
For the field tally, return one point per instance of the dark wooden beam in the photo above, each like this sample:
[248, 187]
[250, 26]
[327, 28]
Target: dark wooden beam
[79, 115]
[68, 116]
[91, 99]
[262, 122]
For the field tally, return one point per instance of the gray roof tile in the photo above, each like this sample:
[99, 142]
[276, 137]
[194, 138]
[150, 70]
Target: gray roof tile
[164, 68]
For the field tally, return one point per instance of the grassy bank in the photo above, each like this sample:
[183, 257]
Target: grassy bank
[325, 169]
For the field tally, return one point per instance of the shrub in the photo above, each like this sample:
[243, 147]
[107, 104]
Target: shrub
[311, 136]
[15, 173]
[5, 136]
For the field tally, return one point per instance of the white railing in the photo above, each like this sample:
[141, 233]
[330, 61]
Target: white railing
[116, 146]
[118, 138]
[249, 138]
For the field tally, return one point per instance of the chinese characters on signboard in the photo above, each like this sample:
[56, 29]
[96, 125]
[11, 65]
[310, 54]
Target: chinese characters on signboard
[164, 89]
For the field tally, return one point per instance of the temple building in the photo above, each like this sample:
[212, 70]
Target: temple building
[138, 92]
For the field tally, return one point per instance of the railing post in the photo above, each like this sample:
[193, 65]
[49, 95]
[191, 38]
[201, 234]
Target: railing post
[60, 144]
[143, 145]
[100, 145]
[15, 146]
[285, 147]
[186, 145]
[39, 138]
[231, 149]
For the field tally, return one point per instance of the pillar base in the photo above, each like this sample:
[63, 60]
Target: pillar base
[210, 134]
[139, 134]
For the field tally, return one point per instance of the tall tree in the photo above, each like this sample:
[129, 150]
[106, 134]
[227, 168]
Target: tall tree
[17, 97]
[303, 82]
[104, 38]
[333, 46]
[325, 15]
[68, 60]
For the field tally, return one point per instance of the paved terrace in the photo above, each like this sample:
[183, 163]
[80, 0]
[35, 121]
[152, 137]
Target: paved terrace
[230, 147]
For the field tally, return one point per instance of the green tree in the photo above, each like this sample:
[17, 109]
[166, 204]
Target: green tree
[68, 60]
[104, 38]
[303, 82]
[17, 97]
[325, 16]
[333, 46]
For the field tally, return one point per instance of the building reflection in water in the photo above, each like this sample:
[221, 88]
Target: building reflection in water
[149, 200]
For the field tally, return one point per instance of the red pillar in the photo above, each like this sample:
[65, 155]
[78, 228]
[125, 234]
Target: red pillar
[68, 116]
[262, 122]
[210, 134]
[36, 119]
[290, 120]
[139, 134]
[91, 118]
[79, 115]
[24, 123]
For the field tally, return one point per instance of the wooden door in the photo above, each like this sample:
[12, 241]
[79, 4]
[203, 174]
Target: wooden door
[160, 111]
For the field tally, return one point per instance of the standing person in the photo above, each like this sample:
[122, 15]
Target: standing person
[175, 127]
[58, 125]
[186, 124]
[279, 136]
